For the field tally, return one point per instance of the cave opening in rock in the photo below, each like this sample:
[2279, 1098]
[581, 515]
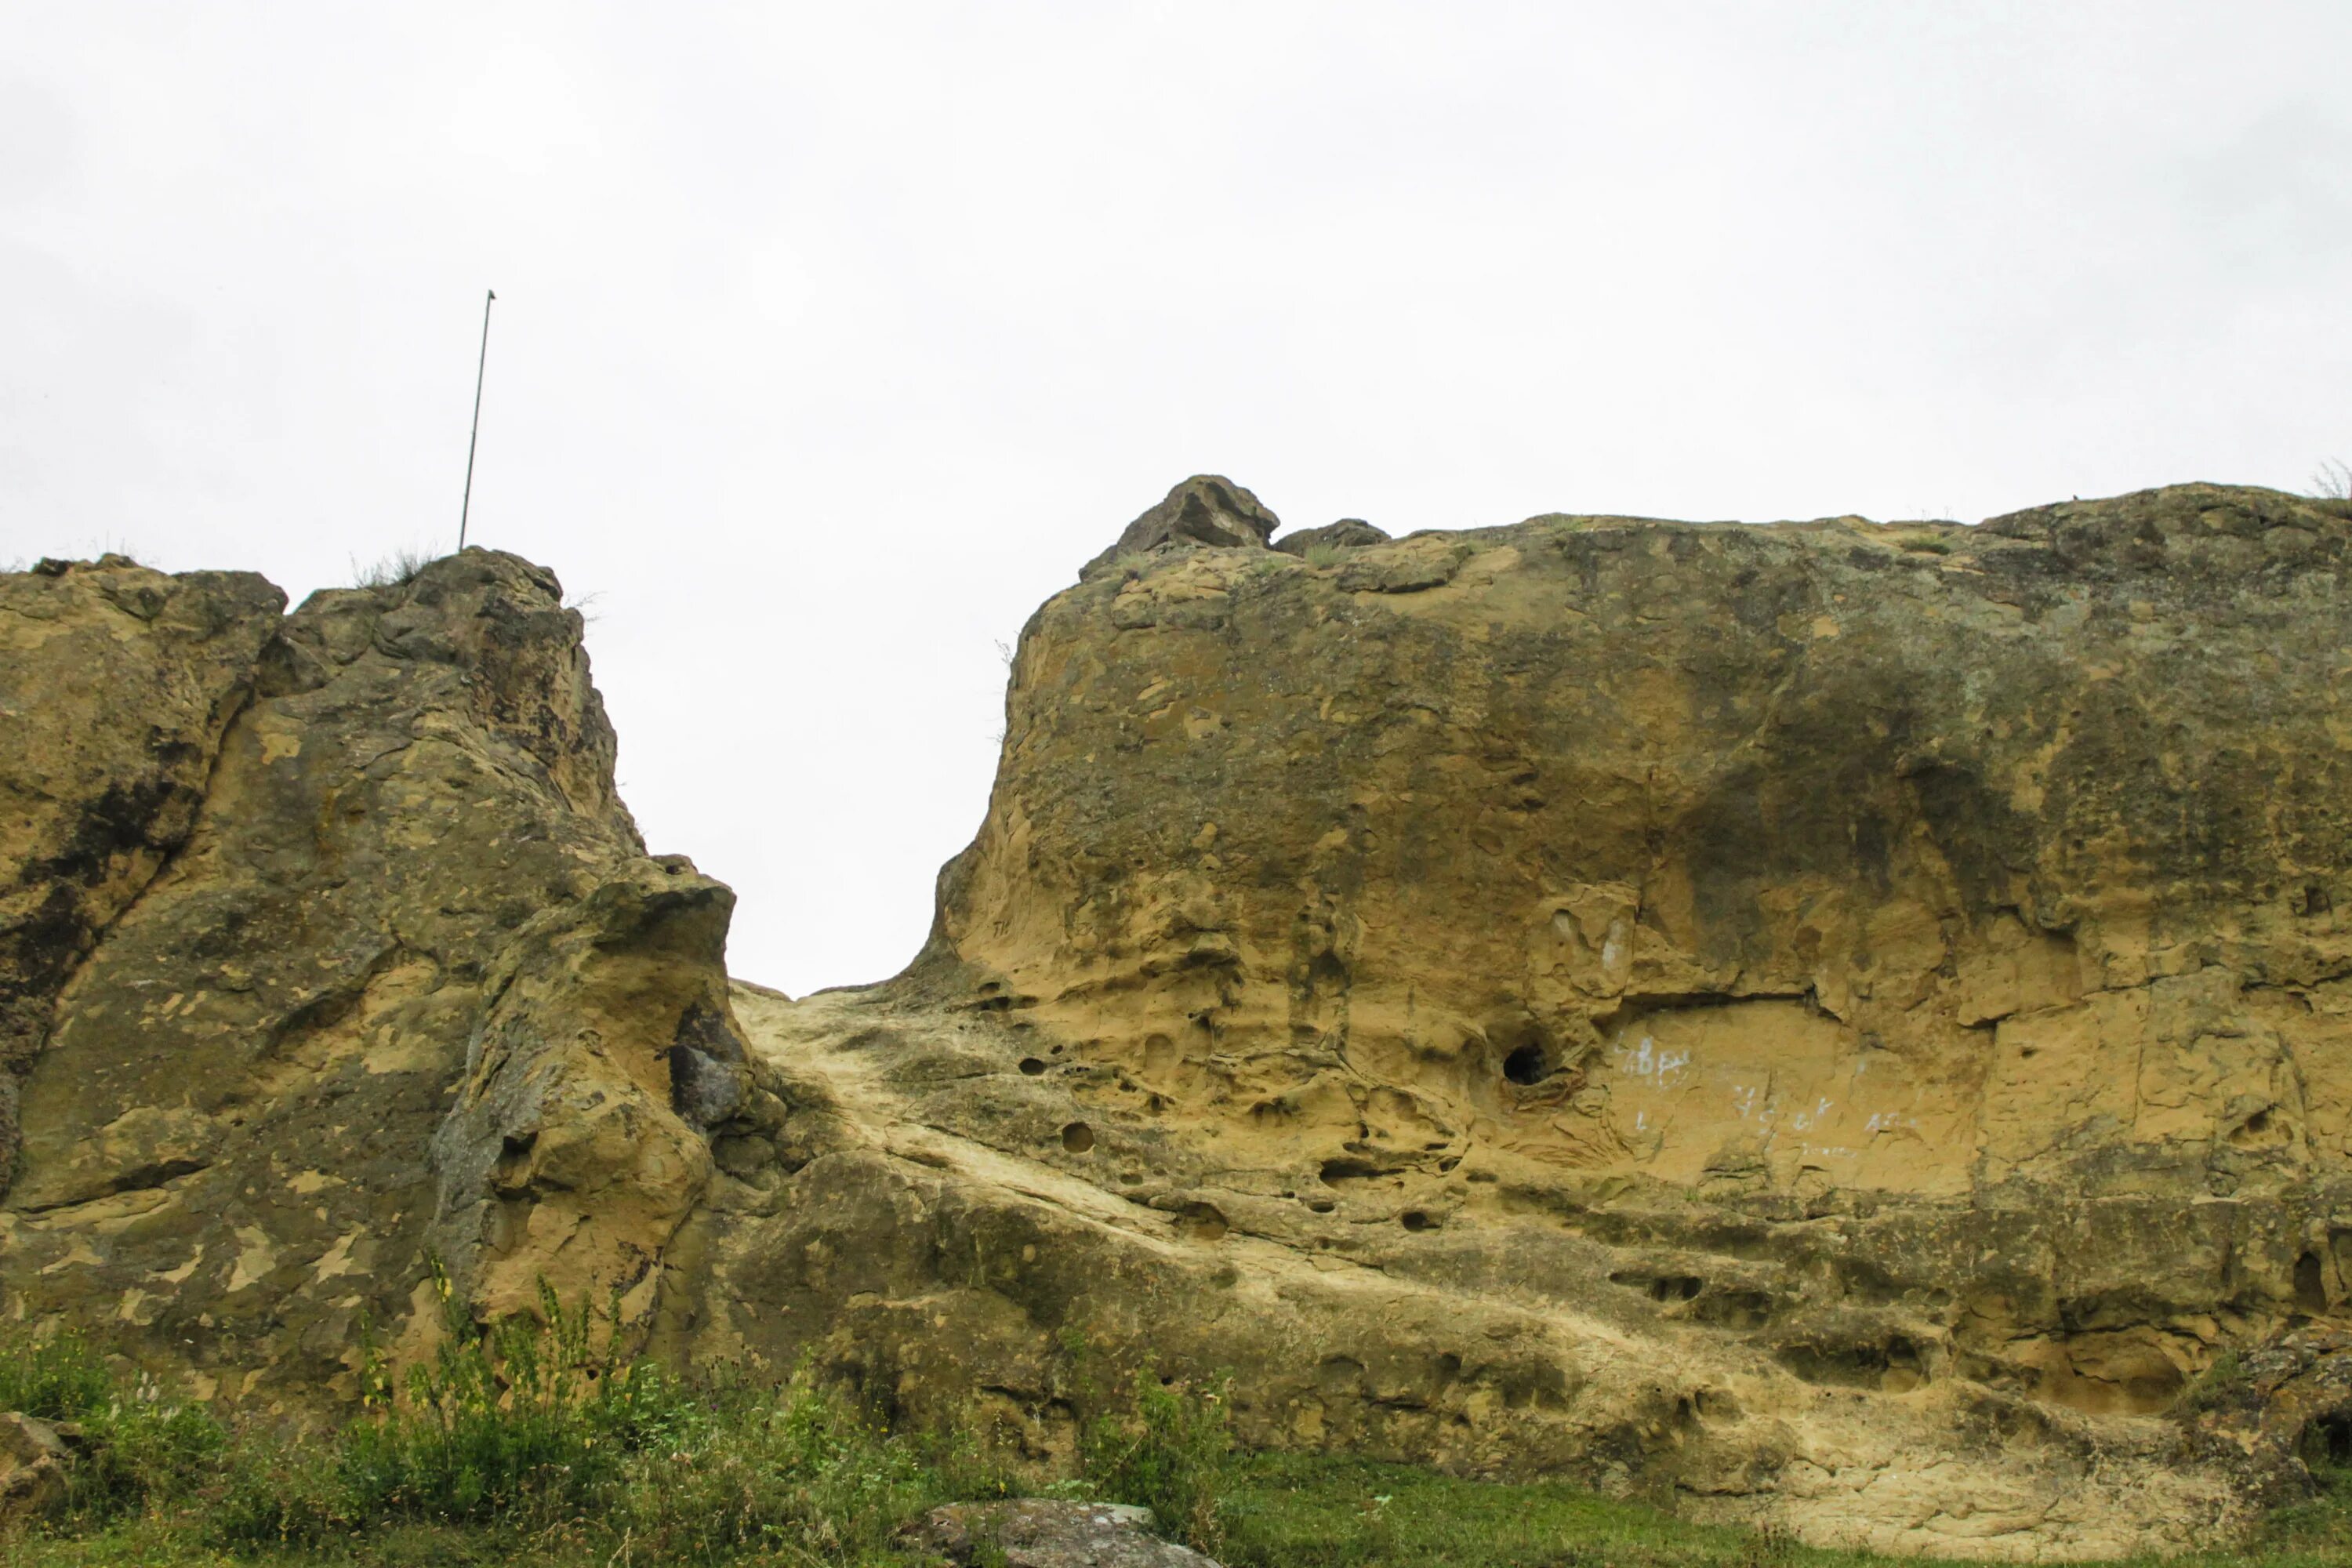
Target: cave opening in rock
[2310, 1284]
[1528, 1064]
[2327, 1439]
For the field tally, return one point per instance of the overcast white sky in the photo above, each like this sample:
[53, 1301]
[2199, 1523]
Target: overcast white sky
[831, 339]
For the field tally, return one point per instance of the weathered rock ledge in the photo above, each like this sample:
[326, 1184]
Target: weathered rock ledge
[1837, 1024]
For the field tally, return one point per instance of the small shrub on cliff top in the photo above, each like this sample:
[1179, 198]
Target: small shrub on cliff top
[396, 570]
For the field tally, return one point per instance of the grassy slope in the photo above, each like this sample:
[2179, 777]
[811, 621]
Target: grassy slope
[525, 1444]
[1281, 1512]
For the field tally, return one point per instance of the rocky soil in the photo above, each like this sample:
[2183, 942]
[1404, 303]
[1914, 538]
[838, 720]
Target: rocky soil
[1844, 1024]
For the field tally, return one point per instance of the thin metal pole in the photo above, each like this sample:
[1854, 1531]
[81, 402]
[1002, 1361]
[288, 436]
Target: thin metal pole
[475, 434]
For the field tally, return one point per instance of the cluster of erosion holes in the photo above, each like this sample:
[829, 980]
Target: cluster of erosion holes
[1689, 1294]
[1434, 1384]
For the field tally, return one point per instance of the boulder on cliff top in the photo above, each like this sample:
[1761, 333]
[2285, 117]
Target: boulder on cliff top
[1205, 510]
[1348, 534]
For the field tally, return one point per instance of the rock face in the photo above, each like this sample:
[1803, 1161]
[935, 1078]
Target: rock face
[1834, 1025]
[116, 684]
[407, 983]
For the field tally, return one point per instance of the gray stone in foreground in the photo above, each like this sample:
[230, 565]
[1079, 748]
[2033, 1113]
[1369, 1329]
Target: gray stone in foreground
[1042, 1532]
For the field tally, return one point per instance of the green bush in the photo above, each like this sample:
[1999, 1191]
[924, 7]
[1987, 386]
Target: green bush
[521, 1419]
[137, 1449]
[141, 1452]
[2215, 1385]
[1172, 1452]
[533, 1425]
[799, 1470]
[59, 1378]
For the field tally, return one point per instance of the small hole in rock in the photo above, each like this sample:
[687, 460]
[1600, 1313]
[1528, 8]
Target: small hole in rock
[1415, 1219]
[1031, 1066]
[1528, 1064]
[1078, 1138]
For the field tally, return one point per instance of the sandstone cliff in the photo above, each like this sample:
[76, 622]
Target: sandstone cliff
[343, 953]
[1837, 1024]
[1841, 1022]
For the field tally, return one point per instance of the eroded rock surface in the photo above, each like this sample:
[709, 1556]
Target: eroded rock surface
[407, 983]
[116, 683]
[1836, 1023]
[1840, 1025]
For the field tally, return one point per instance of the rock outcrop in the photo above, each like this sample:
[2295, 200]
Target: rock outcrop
[385, 974]
[1841, 1026]
[1348, 534]
[1205, 510]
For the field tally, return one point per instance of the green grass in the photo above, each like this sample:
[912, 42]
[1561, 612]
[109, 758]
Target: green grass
[1278, 1511]
[534, 1445]
[1307, 1510]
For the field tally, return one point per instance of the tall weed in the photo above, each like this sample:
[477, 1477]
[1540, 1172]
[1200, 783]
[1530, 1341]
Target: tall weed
[542, 1425]
[1170, 1451]
[60, 1377]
